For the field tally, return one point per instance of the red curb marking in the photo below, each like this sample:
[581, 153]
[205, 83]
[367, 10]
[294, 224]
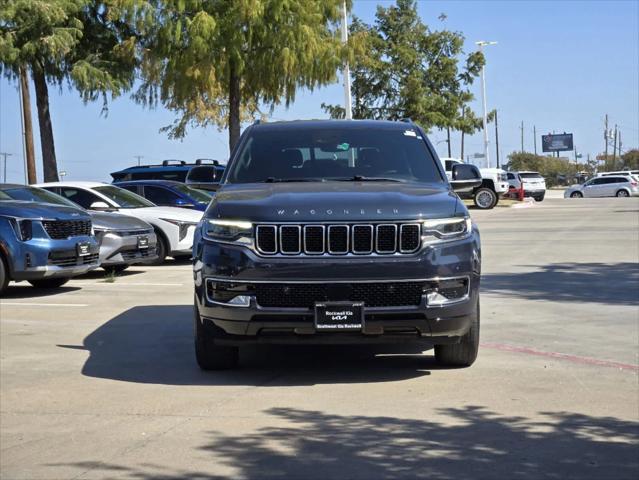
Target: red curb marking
[562, 356]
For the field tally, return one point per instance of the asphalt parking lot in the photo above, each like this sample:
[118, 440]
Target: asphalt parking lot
[98, 379]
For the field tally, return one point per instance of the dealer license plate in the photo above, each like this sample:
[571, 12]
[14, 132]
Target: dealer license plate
[143, 242]
[339, 316]
[83, 249]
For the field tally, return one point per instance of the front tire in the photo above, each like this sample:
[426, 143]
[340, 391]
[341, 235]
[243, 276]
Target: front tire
[540, 198]
[576, 195]
[622, 194]
[161, 249]
[4, 274]
[485, 198]
[49, 282]
[208, 354]
[464, 353]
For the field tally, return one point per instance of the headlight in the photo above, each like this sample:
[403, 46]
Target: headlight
[235, 231]
[442, 229]
[183, 226]
[22, 228]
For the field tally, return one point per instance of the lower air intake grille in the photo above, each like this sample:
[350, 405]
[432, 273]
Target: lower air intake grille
[391, 294]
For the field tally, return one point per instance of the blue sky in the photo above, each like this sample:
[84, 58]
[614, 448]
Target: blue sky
[559, 65]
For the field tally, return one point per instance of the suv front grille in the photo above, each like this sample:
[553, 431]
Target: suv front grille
[61, 229]
[304, 295]
[338, 239]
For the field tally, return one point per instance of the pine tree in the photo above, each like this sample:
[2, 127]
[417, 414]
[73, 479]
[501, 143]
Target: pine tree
[411, 71]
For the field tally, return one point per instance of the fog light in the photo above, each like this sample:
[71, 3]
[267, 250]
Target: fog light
[228, 293]
[447, 291]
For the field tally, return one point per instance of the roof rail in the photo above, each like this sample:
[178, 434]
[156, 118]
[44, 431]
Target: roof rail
[406, 120]
[167, 163]
[257, 121]
[201, 161]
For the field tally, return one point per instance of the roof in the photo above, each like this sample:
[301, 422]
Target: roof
[342, 124]
[150, 181]
[71, 184]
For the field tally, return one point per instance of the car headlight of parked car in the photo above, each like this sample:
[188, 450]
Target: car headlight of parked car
[22, 227]
[446, 229]
[183, 226]
[233, 231]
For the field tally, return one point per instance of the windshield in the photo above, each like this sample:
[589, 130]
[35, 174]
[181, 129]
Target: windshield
[31, 194]
[123, 198]
[329, 153]
[198, 195]
[530, 175]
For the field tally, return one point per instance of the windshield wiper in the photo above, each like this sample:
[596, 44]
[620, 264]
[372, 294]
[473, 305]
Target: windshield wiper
[281, 180]
[363, 178]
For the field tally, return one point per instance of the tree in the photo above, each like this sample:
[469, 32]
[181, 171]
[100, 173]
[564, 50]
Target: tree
[73, 41]
[630, 159]
[411, 71]
[217, 62]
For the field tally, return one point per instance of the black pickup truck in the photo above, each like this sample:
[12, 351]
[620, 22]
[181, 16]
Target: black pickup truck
[337, 231]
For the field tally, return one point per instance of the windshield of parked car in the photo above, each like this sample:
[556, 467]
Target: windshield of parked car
[198, 195]
[31, 194]
[327, 153]
[123, 198]
[530, 175]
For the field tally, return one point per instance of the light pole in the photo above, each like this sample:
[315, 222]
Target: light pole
[139, 157]
[5, 155]
[348, 113]
[481, 44]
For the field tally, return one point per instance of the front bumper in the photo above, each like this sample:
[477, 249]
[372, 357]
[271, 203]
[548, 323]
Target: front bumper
[255, 323]
[125, 250]
[44, 258]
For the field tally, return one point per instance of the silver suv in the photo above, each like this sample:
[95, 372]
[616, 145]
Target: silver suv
[605, 186]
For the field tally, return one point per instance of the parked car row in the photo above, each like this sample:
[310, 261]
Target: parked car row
[52, 232]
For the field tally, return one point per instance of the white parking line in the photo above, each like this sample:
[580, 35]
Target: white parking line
[143, 284]
[21, 304]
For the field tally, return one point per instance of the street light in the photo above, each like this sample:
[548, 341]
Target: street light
[481, 44]
[5, 155]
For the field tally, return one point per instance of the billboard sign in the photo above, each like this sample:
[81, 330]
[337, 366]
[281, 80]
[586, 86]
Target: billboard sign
[559, 142]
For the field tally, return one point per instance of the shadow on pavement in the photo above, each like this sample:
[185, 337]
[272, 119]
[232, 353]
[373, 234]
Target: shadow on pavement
[154, 344]
[607, 283]
[24, 290]
[100, 274]
[468, 443]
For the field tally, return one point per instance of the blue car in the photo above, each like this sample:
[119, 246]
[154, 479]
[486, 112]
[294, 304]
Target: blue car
[176, 170]
[166, 193]
[44, 244]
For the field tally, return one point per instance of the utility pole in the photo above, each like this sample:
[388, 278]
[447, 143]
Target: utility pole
[497, 139]
[481, 44]
[614, 149]
[5, 155]
[348, 112]
[522, 136]
[448, 140]
[27, 128]
[139, 157]
[535, 138]
[619, 140]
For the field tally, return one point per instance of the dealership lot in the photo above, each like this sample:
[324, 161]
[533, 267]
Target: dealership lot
[98, 379]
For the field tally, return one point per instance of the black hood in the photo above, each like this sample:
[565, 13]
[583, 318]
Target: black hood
[334, 201]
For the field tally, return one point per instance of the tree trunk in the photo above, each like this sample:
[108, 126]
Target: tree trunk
[234, 106]
[28, 126]
[50, 166]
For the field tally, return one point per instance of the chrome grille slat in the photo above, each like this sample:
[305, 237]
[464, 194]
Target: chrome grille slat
[338, 239]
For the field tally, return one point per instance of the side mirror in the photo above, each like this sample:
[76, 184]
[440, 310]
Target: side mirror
[465, 177]
[100, 206]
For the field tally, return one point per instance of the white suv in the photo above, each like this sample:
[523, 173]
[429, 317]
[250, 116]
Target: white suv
[494, 184]
[534, 185]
